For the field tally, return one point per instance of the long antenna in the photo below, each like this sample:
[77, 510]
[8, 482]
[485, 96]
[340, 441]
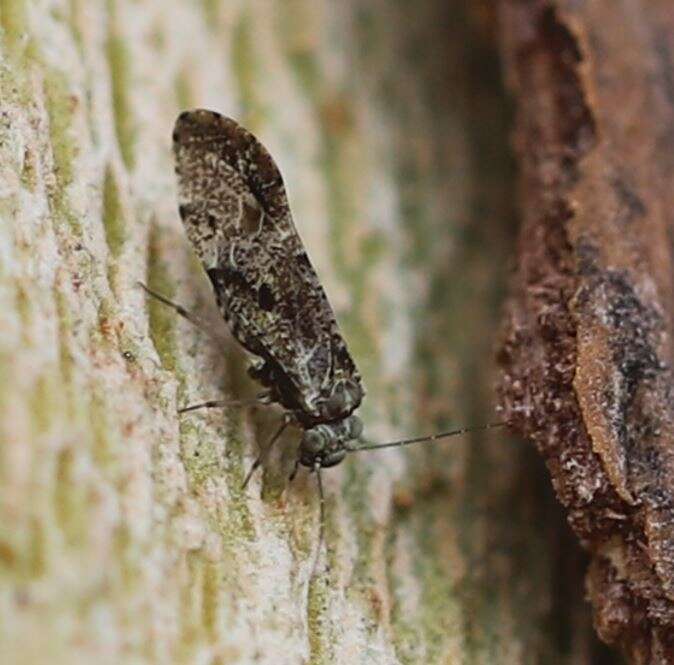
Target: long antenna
[321, 528]
[421, 439]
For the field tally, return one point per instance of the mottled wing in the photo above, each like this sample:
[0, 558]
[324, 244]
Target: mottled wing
[235, 211]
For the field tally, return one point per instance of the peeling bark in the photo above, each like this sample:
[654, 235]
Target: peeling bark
[588, 343]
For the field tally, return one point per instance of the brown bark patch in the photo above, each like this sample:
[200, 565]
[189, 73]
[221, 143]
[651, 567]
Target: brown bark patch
[587, 346]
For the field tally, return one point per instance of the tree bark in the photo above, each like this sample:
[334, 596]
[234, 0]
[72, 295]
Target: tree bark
[588, 348]
[125, 535]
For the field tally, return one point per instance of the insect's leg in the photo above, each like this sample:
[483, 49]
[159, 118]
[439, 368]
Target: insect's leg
[287, 419]
[263, 398]
[188, 316]
[293, 473]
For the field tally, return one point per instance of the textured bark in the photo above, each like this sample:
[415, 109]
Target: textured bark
[588, 348]
[125, 536]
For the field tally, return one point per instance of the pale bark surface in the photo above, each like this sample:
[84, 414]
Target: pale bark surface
[125, 536]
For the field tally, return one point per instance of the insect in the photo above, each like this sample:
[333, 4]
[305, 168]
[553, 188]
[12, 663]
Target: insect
[234, 207]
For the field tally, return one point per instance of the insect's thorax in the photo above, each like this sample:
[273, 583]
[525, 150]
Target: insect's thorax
[329, 403]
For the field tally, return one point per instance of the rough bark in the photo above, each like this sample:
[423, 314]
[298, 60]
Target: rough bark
[588, 348]
[125, 536]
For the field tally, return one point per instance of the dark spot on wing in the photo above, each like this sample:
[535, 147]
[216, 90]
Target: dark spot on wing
[217, 277]
[265, 298]
[303, 260]
[251, 220]
[226, 278]
[212, 221]
[342, 356]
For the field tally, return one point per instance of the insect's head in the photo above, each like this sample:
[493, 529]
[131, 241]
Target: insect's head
[327, 444]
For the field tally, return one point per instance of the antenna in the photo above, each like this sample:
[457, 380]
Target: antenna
[420, 439]
[321, 528]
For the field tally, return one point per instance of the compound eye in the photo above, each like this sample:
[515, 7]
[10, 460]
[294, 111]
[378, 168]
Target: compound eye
[313, 441]
[333, 458]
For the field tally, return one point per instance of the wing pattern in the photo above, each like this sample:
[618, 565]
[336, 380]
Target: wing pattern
[235, 211]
